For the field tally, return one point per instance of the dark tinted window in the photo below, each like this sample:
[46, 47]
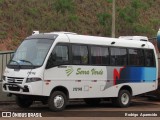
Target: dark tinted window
[99, 55]
[58, 56]
[118, 56]
[136, 57]
[149, 58]
[80, 54]
[61, 53]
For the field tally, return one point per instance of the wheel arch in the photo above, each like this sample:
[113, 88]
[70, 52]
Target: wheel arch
[62, 89]
[126, 87]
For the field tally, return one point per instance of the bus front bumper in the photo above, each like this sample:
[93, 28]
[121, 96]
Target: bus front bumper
[15, 87]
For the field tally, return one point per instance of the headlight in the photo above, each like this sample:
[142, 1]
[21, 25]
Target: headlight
[3, 78]
[33, 80]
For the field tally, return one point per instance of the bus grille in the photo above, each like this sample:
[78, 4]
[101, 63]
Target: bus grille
[15, 80]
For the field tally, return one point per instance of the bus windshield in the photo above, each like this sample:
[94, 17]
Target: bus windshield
[31, 53]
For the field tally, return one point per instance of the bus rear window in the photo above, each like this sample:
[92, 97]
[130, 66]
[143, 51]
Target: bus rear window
[149, 58]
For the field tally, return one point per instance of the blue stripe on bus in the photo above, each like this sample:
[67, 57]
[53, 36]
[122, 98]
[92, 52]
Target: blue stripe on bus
[136, 74]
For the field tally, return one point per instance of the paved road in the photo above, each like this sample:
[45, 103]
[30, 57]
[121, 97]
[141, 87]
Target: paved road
[79, 110]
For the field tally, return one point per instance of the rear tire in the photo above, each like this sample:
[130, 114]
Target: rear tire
[92, 101]
[23, 102]
[123, 100]
[57, 101]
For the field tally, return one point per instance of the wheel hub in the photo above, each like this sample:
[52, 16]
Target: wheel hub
[125, 98]
[58, 101]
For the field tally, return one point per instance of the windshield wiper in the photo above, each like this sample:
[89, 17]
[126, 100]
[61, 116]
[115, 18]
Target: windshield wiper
[27, 62]
[19, 66]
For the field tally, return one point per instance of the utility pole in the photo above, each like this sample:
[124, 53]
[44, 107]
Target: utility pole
[113, 18]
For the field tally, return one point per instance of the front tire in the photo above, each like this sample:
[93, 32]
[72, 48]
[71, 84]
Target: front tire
[23, 102]
[57, 101]
[123, 100]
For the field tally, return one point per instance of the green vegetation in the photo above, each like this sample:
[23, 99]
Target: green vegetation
[64, 6]
[18, 18]
[135, 20]
[105, 20]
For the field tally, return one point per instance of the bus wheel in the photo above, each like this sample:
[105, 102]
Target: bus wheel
[23, 102]
[92, 101]
[123, 100]
[57, 101]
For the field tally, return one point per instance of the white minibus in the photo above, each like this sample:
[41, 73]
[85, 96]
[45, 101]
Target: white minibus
[58, 66]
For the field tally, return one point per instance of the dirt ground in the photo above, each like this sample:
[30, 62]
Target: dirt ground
[79, 110]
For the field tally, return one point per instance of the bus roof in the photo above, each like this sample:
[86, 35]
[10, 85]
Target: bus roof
[98, 40]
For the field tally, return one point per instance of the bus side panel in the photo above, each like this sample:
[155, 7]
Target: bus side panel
[140, 79]
[99, 81]
[81, 81]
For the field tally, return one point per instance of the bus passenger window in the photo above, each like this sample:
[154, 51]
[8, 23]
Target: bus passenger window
[118, 56]
[99, 55]
[149, 58]
[80, 54]
[136, 57]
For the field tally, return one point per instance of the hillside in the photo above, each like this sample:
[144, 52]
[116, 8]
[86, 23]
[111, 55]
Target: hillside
[18, 18]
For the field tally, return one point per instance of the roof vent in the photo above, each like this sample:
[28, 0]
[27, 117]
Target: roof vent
[138, 38]
[35, 32]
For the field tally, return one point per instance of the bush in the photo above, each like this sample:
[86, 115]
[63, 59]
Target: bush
[3, 34]
[33, 12]
[104, 19]
[63, 6]
[73, 18]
